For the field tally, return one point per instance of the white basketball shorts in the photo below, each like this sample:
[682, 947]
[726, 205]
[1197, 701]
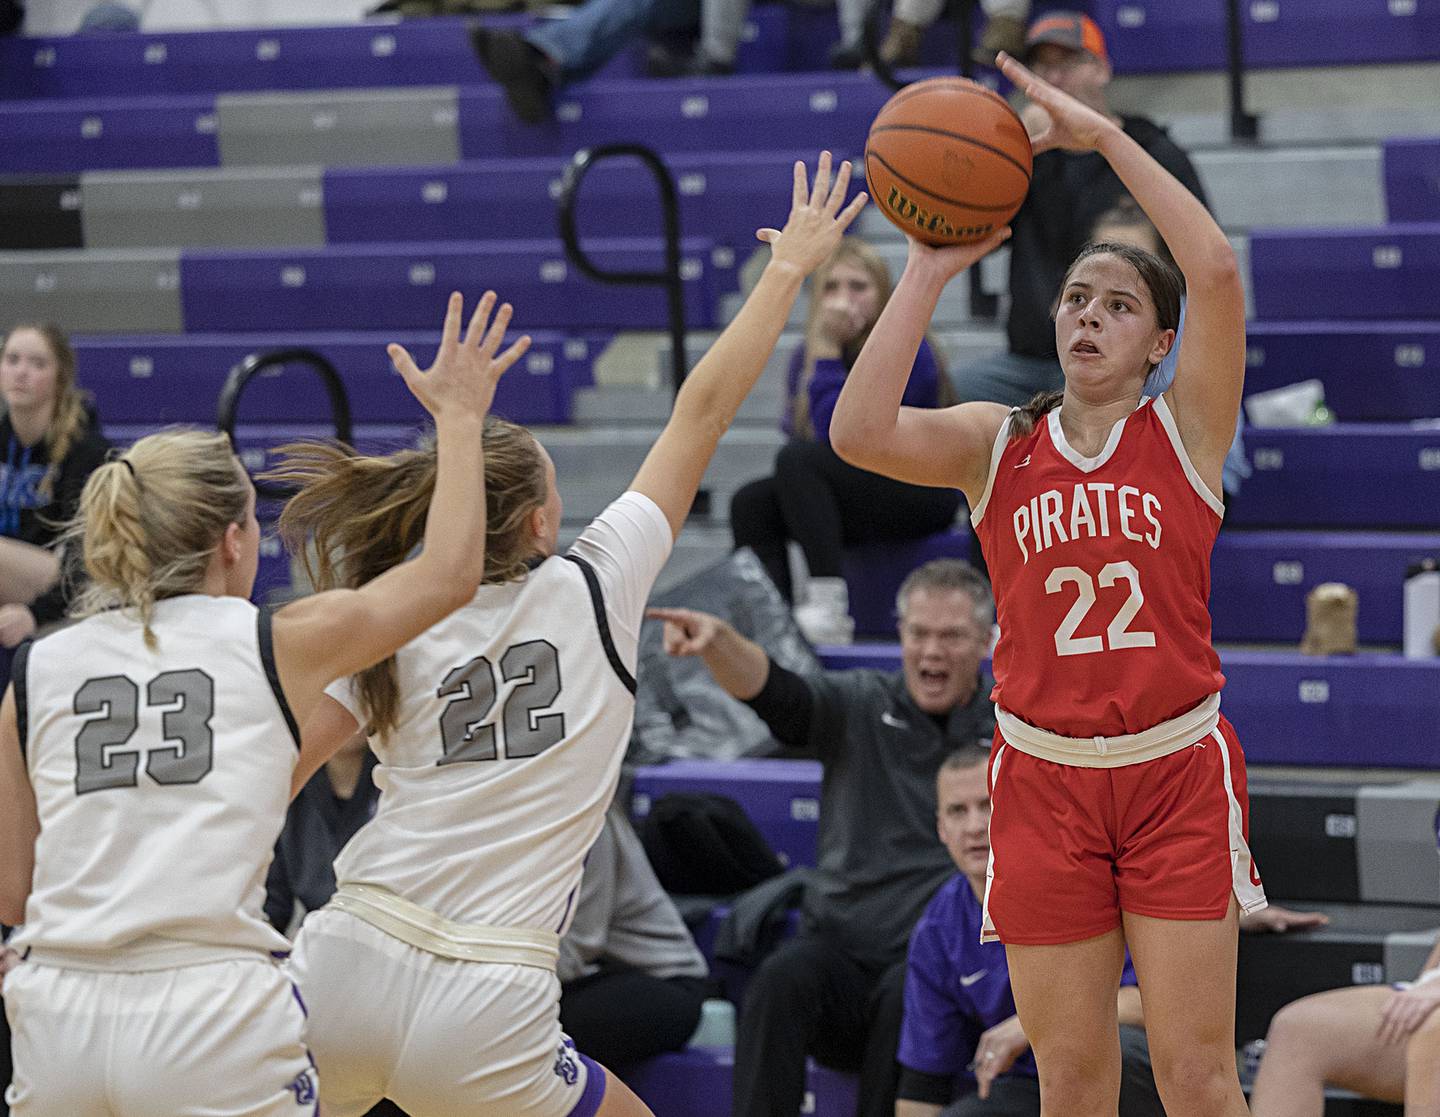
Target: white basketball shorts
[436, 1035]
[218, 1039]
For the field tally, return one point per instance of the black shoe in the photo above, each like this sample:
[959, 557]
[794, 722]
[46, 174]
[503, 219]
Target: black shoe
[846, 56]
[519, 69]
[663, 61]
[704, 66]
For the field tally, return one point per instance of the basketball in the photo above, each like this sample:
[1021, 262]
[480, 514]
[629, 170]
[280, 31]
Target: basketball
[948, 161]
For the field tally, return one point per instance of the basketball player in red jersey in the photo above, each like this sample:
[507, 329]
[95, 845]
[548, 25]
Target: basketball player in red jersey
[1118, 789]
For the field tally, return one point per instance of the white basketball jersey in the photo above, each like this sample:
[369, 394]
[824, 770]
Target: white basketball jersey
[161, 779]
[515, 712]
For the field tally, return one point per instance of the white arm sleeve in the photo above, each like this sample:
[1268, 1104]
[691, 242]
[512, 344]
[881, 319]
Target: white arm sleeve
[627, 544]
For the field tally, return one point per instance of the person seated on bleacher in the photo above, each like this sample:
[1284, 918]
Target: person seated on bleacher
[50, 443]
[632, 980]
[813, 497]
[1380, 1041]
[835, 991]
[1004, 30]
[961, 1046]
[1069, 190]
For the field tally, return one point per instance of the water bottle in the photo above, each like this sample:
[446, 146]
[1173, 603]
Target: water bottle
[1250, 1056]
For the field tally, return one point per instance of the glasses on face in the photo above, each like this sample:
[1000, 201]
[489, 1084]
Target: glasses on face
[1059, 62]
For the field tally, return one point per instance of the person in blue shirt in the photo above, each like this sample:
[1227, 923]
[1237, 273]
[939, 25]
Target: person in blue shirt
[814, 498]
[962, 1049]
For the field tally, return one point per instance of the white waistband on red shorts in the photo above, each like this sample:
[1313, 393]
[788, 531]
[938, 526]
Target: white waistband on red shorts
[423, 928]
[1112, 752]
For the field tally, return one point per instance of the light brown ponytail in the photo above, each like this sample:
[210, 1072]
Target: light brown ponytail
[363, 515]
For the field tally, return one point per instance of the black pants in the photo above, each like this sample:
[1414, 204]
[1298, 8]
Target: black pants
[1018, 1096]
[619, 1017]
[810, 998]
[825, 505]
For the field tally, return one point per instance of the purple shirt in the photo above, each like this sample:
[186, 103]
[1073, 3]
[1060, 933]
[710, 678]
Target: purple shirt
[957, 987]
[922, 390]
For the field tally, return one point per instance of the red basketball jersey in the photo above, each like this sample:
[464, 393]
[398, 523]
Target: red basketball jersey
[1101, 569]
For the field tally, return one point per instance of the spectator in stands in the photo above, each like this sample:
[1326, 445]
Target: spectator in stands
[51, 444]
[836, 990]
[960, 1025]
[813, 497]
[631, 978]
[1068, 193]
[333, 804]
[1004, 30]
[1127, 224]
[1381, 1041]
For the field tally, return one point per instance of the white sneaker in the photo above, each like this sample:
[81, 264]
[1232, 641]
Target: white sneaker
[824, 616]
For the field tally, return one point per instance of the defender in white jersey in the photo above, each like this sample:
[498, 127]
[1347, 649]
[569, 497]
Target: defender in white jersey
[500, 733]
[147, 755]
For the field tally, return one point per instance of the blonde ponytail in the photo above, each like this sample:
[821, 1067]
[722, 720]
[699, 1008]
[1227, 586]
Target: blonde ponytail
[354, 517]
[149, 521]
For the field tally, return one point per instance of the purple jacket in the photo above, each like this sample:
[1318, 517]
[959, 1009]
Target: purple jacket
[923, 389]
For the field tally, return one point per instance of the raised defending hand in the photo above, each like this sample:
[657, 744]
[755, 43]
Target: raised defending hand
[1073, 125]
[816, 221]
[687, 631]
[463, 378]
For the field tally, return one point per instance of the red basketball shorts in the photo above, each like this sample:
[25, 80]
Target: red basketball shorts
[1072, 847]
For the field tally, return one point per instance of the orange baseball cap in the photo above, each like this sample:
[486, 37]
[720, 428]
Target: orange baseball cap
[1067, 29]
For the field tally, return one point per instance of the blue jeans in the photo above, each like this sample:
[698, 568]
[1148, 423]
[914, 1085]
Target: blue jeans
[596, 31]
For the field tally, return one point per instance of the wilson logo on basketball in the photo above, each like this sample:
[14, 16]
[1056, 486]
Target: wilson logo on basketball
[911, 213]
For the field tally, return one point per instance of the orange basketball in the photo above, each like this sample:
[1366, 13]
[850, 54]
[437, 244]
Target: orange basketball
[948, 161]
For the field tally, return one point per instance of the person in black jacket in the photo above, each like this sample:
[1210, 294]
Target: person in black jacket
[50, 443]
[1069, 192]
[836, 990]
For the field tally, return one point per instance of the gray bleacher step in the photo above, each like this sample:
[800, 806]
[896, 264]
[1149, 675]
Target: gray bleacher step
[228, 206]
[349, 128]
[94, 291]
[1293, 188]
[1324, 105]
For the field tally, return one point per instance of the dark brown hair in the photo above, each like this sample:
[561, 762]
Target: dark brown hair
[363, 515]
[1160, 279]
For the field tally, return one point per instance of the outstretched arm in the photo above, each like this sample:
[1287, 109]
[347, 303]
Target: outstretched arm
[321, 638]
[871, 430]
[1211, 371]
[713, 392]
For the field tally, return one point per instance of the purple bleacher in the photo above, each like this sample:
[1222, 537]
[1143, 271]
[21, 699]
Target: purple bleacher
[1164, 35]
[696, 1082]
[1412, 178]
[397, 287]
[725, 197]
[873, 572]
[1373, 371]
[50, 136]
[1259, 580]
[1385, 273]
[697, 115]
[1367, 711]
[1351, 475]
[782, 797]
[178, 379]
[377, 55]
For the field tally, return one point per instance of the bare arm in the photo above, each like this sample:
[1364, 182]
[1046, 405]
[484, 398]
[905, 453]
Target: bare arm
[323, 735]
[19, 824]
[1211, 371]
[713, 392]
[916, 1109]
[337, 633]
[739, 665]
[870, 429]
